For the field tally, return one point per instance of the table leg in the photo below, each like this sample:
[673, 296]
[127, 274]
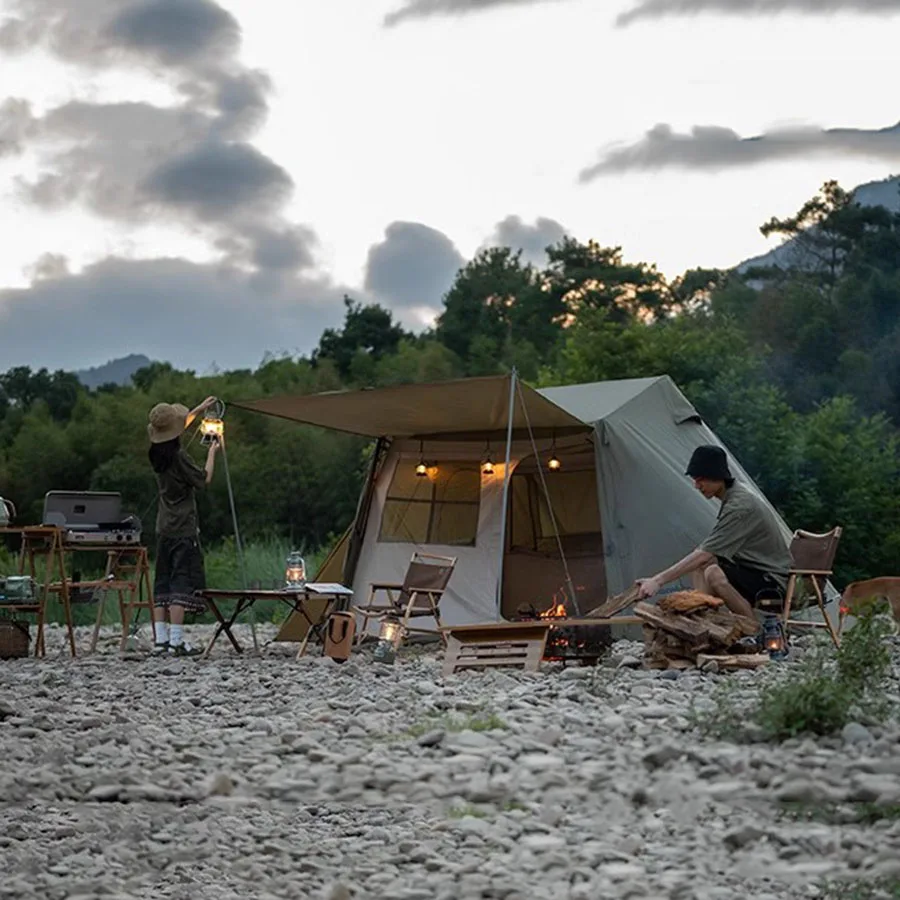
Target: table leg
[315, 629]
[225, 625]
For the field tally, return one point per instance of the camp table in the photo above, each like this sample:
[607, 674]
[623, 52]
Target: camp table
[303, 602]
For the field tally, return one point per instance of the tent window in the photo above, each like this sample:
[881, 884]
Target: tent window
[571, 493]
[441, 508]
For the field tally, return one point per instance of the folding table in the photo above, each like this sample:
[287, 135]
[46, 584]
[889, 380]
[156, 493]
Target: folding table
[334, 596]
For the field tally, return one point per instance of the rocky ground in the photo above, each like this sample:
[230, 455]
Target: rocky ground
[264, 776]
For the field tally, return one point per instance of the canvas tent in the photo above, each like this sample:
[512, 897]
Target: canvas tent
[618, 508]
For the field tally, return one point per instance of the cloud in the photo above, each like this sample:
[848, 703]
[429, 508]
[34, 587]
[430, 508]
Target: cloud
[189, 314]
[412, 269]
[423, 9]
[176, 31]
[657, 9]
[712, 148]
[214, 180]
[191, 163]
[532, 240]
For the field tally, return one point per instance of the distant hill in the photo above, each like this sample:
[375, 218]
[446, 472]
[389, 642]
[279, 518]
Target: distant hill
[876, 193]
[116, 371]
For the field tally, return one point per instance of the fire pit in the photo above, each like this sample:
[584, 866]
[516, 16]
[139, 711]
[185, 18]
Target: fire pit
[570, 639]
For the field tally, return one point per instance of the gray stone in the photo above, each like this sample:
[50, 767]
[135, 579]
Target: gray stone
[432, 738]
[855, 734]
[743, 837]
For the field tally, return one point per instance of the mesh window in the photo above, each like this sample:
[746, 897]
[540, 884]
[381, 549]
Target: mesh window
[441, 508]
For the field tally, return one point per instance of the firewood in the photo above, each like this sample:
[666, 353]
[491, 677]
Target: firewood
[615, 604]
[734, 661]
[689, 601]
[689, 628]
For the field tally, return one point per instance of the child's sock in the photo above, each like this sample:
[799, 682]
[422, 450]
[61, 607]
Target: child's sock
[176, 635]
[161, 632]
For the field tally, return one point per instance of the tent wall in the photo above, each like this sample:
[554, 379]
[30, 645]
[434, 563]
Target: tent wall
[472, 593]
[653, 514]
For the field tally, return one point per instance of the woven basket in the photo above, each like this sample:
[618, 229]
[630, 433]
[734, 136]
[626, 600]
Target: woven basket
[14, 639]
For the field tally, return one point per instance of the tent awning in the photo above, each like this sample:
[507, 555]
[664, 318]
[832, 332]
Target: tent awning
[467, 408]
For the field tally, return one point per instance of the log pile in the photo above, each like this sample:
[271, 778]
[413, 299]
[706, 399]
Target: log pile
[689, 628]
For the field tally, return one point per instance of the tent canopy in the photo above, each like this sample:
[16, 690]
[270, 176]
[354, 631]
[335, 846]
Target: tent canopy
[470, 408]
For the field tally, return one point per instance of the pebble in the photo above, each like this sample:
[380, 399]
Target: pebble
[267, 777]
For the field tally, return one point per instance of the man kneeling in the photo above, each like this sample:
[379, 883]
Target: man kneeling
[746, 556]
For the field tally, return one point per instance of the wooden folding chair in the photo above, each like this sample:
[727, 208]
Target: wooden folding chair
[813, 556]
[419, 596]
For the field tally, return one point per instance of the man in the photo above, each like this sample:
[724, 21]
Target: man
[746, 556]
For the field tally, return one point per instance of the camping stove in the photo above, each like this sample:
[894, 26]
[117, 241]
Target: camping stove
[570, 640]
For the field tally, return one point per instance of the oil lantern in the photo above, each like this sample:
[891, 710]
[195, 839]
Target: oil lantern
[295, 572]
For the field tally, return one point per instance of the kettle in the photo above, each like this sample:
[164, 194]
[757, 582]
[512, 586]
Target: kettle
[7, 512]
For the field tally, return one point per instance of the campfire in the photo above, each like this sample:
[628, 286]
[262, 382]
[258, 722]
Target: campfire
[569, 640]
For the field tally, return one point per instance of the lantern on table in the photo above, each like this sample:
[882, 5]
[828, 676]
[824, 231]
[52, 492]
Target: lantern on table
[295, 572]
[389, 636]
[774, 641]
[212, 425]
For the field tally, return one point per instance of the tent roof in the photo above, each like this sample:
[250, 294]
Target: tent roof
[594, 402]
[469, 407]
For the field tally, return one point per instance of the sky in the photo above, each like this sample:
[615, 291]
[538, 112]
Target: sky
[202, 181]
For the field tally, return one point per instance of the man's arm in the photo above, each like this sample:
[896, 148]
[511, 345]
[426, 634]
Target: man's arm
[696, 559]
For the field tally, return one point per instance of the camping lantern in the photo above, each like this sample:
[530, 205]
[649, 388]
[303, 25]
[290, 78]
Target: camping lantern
[421, 468]
[773, 638]
[487, 464]
[389, 636]
[553, 464]
[295, 572]
[212, 425]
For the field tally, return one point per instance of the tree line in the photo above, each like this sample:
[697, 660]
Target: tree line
[797, 369]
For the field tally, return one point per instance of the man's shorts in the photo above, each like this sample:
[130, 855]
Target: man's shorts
[752, 584]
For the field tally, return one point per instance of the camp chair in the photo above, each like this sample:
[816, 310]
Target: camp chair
[813, 556]
[419, 595]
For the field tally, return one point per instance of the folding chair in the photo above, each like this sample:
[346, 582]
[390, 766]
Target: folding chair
[419, 595]
[813, 556]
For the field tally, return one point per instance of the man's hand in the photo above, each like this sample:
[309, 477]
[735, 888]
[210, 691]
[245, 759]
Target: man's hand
[647, 587]
[207, 403]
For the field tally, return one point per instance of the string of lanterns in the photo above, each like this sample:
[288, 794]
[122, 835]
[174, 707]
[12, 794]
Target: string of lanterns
[424, 469]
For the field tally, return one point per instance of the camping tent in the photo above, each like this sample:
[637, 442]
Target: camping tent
[618, 507]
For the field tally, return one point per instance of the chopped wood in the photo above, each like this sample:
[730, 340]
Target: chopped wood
[615, 604]
[689, 628]
[734, 661]
[689, 601]
[690, 631]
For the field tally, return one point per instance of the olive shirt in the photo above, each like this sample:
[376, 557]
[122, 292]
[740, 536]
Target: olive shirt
[177, 513]
[747, 532]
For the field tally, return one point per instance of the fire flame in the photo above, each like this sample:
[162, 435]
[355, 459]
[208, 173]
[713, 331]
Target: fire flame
[554, 611]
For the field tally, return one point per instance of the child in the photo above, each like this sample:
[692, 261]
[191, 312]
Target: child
[179, 559]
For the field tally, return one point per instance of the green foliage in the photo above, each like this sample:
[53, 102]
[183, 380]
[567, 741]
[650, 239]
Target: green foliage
[796, 369]
[874, 889]
[819, 695]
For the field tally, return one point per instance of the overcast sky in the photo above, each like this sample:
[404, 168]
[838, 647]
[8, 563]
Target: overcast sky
[202, 180]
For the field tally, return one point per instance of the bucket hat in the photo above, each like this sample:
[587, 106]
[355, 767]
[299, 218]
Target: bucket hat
[167, 421]
[709, 461]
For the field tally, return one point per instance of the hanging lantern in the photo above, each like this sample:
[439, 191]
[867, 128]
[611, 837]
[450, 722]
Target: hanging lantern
[212, 425]
[295, 572]
[774, 641]
[421, 468]
[553, 464]
[487, 464]
[389, 636]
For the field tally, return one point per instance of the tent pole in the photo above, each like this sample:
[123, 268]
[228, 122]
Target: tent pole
[513, 377]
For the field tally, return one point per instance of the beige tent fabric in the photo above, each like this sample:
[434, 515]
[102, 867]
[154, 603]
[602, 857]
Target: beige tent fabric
[469, 408]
